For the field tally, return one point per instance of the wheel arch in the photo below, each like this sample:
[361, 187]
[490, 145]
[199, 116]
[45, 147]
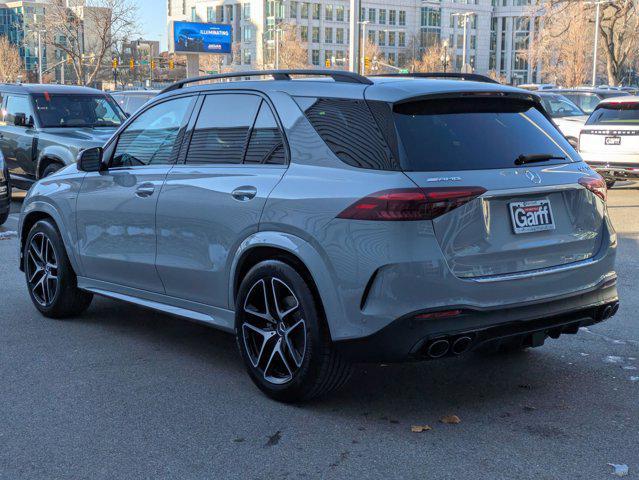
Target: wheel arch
[43, 211]
[300, 255]
[54, 154]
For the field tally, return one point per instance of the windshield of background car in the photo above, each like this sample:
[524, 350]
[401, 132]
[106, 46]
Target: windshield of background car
[475, 134]
[77, 110]
[615, 113]
[558, 106]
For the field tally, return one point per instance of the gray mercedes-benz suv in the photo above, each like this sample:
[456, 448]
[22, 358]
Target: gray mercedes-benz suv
[332, 219]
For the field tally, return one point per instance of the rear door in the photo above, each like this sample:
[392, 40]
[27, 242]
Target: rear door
[213, 200]
[533, 216]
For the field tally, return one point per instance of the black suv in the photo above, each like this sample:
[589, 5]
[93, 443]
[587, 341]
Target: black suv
[44, 127]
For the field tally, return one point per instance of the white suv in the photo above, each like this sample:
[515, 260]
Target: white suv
[609, 142]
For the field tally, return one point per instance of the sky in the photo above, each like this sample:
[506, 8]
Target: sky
[152, 20]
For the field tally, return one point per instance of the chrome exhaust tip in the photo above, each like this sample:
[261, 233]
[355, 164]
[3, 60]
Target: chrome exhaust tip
[438, 348]
[607, 312]
[461, 345]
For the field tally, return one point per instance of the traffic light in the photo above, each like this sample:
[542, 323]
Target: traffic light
[328, 63]
[367, 63]
[171, 64]
[132, 64]
[152, 64]
[115, 63]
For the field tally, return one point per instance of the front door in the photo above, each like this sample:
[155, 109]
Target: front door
[214, 200]
[17, 141]
[116, 208]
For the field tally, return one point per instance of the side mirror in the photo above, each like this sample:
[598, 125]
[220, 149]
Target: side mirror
[90, 160]
[20, 120]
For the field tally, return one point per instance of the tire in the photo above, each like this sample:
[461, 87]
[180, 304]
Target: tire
[610, 183]
[284, 341]
[51, 281]
[51, 169]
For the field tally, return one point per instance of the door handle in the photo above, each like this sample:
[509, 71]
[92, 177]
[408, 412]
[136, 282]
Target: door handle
[244, 194]
[145, 190]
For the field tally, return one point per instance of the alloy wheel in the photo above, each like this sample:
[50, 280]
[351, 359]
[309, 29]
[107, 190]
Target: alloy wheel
[42, 269]
[274, 330]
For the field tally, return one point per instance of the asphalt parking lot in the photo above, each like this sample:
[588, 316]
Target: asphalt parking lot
[126, 393]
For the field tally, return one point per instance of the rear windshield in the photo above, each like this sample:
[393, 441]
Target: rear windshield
[77, 110]
[475, 134]
[615, 113]
[559, 107]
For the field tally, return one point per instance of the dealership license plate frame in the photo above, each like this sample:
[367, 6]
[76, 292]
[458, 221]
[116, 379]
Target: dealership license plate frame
[518, 229]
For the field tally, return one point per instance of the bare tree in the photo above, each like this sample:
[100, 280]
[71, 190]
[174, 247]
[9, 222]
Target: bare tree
[430, 61]
[372, 53]
[11, 66]
[293, 53]
[619, 29]
[88, 35]
[564, 44]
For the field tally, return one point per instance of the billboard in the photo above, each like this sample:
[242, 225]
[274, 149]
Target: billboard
[191, 37]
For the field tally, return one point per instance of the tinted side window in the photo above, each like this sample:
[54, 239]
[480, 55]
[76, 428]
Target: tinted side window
[266, 145]
[350, 131]
[154, 137]
[17, 104]
[222, 129]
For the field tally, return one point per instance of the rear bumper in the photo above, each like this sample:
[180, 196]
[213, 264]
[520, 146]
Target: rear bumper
[618, 167]
[409, 338]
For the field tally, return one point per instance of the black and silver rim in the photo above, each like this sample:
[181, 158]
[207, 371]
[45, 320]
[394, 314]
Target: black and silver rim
[42, 269]
[274, 330]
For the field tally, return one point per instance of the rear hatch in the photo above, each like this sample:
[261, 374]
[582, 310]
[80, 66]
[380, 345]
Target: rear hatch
[533, 215]
[612, 130]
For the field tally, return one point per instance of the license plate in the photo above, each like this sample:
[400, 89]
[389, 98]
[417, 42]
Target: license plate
[533, 216]
[613, 140]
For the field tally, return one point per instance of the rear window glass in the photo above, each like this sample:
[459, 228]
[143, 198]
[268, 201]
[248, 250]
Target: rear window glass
[474, 134]
[618, 113]
[350, 130]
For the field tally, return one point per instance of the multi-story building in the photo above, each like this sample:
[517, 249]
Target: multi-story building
[499, 32]
[21, 20]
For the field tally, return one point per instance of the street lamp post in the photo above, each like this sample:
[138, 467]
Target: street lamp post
[363, 59]
[465, 16]
[597, 4]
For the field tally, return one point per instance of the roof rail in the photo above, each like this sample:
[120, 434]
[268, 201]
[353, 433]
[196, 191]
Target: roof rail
[474, 77]
[337, 75]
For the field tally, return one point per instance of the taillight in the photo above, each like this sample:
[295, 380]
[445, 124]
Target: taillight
[596, 185]
[409, 204]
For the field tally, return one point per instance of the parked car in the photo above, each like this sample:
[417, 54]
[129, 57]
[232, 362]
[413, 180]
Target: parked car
[5, 191]
[132, 100]
[44, 127]
[610, 140]
[587, 98]
[566, 115]
[537, 86]
[323, 223]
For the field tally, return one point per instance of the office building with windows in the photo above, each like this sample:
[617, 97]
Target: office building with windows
[499, 32]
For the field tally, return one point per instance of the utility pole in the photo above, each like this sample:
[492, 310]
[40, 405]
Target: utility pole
[353, 36]
[465, 16]
[597, 4]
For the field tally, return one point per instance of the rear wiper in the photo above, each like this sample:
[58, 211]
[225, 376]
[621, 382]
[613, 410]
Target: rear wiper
[537, 157]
